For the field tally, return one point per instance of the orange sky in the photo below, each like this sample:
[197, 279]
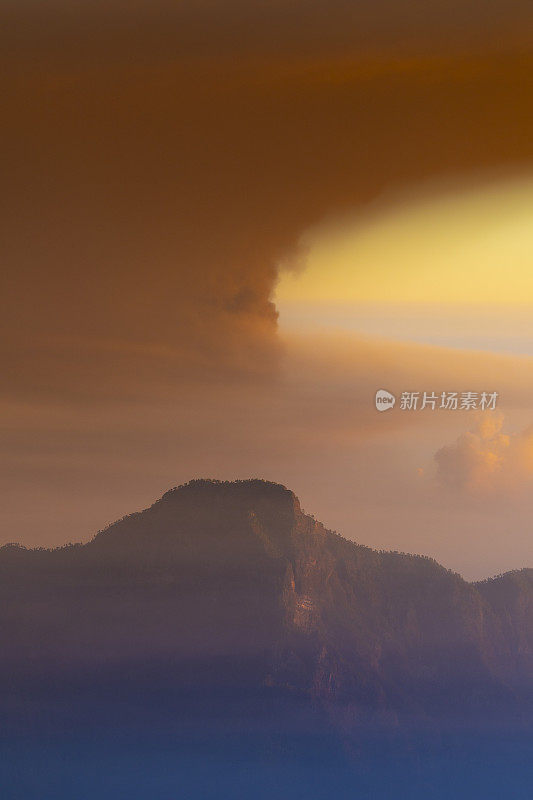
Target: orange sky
[161, 163]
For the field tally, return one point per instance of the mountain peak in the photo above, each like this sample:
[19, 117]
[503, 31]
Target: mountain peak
[245, 496]
[238, 489]
[219, 513]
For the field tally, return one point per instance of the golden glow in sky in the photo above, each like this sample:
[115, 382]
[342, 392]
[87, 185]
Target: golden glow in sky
[462, 245]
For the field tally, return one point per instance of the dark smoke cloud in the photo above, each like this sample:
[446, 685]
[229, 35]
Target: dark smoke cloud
[161, 159]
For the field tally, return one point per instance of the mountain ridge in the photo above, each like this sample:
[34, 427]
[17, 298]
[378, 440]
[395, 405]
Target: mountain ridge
[197, 485]
[236, 572]
[236, 637]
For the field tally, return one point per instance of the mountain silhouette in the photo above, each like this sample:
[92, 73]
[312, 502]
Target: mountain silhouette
[223, 616]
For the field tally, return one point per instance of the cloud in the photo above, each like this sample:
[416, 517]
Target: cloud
[157, 168]
[156, 173]
[485, 460]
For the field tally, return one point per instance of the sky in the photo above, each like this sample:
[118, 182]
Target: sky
[225, 226]
[449, 264]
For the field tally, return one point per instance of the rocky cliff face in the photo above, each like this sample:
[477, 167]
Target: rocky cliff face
[232, 585]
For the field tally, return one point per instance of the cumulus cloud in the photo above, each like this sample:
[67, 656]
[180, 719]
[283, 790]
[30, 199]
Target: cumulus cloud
[486, 460]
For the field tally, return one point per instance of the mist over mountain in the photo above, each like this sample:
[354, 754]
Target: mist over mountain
[231, 628]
